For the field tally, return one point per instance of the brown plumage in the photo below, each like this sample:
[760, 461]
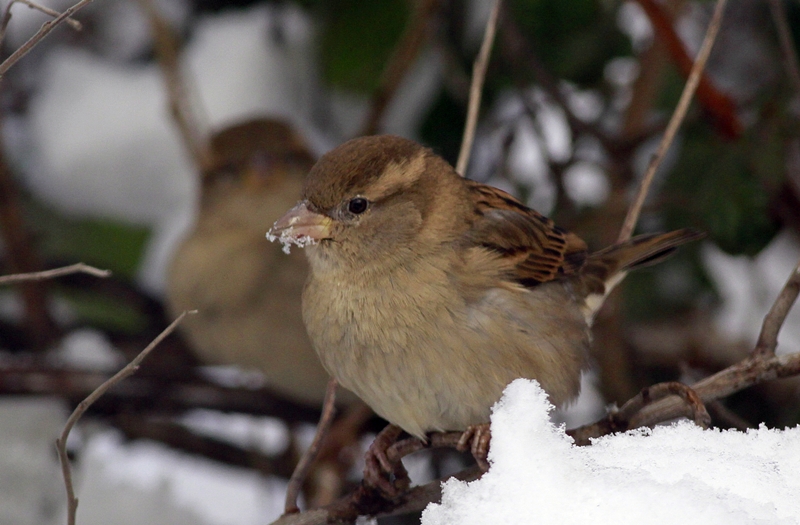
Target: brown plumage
[429, 293]
[246, 291]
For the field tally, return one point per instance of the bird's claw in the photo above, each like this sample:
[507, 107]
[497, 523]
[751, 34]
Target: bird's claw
[476, 439]
[387, 476]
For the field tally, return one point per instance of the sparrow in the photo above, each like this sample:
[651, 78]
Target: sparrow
[428, 293]
[246, 291]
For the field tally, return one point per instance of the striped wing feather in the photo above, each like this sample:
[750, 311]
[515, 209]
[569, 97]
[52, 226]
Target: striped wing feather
[539, 250]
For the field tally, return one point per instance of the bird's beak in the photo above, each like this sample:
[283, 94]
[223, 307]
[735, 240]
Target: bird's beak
[300, 226]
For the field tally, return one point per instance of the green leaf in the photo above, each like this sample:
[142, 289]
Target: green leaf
[105, 313]
[576, 39]
[105, 243]
[716, 187]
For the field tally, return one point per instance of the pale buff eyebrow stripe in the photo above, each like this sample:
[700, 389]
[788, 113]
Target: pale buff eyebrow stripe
[397, 176]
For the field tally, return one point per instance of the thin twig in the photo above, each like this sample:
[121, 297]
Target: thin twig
[74, 24]
[46, 28]
[195, 139]
[773, 321]
[476, 89]
[677, 118]
[304, 465]
[787, 45]
[403, 56]
[56, 272]
[61, 442]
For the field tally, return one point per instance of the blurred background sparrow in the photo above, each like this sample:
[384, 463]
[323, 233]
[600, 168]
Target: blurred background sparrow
[246, 291]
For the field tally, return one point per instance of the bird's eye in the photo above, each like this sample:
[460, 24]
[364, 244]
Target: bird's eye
[357, 205]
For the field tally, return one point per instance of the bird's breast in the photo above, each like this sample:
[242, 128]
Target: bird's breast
[425, 358]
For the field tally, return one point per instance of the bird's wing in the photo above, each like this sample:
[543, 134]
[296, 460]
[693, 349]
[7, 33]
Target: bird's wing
[538, 250]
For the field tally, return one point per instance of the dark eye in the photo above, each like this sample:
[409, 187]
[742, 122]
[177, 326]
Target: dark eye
[357, 205]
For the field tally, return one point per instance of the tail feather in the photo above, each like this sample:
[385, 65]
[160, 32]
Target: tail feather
[606, 268]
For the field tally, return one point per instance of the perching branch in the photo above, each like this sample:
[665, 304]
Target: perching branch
[45, 30]
[675, 121]
[762, 365]
[476, 89]
[61, 442]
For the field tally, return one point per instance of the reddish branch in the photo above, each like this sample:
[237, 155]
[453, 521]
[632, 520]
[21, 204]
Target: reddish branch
[719, 106]
[695, 77]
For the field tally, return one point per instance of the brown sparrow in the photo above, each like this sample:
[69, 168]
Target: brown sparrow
[246, 292]
[429, 293]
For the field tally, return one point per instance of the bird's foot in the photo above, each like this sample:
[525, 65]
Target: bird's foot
[476, 439]
[387, 476]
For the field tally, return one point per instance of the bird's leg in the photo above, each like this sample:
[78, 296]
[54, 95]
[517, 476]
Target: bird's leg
[379, 469]
[476, 438]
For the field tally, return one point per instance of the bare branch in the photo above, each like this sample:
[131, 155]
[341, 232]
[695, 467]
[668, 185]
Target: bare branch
[195, 139]
[744, 374]
[304, 465]
[476, 89]
[57, 272]
[61, 442]
[773, 321]
[46, 28]
[761, 366]
[677, 118]
[74, 24]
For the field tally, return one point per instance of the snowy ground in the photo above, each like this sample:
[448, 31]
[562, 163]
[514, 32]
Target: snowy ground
[672, 474]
